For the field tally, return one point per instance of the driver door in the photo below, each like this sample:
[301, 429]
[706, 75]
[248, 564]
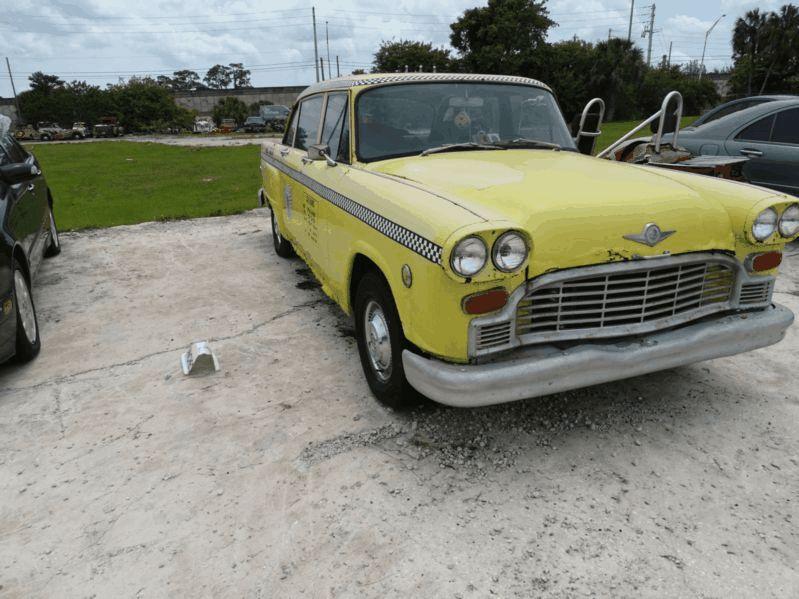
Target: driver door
[293, 194]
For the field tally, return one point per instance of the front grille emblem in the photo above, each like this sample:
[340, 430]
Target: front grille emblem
[651, 235]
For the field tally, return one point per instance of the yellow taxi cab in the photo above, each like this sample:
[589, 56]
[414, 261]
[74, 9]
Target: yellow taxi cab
[485, 260]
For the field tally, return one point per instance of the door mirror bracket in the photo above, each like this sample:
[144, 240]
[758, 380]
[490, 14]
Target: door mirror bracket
[321, 152]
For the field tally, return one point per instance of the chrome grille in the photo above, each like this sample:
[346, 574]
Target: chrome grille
[601, 303]
[756, 293]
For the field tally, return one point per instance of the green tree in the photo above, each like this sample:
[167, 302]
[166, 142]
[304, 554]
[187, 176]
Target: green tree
[143, 105]
[218, 77]
[569, 63]
[230, 108]
[396, 56]
[239, 75]
[506, 36]
[696, 94]
[44, 83]
[186, 80]
[616, 75]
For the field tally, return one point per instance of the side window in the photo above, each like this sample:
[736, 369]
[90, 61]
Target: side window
[758, 131]
[335, 115]
[786, 129]
[288, 136]
[308, 124]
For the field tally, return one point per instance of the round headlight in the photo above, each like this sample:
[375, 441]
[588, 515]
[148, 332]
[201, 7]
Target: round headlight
[765, 224]
[789, 223]
[469, 256]
[510, 251]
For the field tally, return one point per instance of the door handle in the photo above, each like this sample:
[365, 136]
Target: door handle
[306, 160]
[751, 152]
[31, 187]
[284, 152]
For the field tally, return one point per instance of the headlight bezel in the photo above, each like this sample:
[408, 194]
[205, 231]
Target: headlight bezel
[496, 248]
[774, 226]
[794, 207]
[454, 255]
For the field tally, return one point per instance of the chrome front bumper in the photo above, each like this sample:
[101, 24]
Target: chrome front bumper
[544, 369]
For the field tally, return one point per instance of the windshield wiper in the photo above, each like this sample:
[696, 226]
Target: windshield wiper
[523, 142]
[461, 147]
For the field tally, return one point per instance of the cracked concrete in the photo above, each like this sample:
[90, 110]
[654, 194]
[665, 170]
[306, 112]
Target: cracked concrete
[281, 477]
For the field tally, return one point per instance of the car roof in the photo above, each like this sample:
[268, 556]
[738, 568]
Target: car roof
[375, 79]
[735, 119]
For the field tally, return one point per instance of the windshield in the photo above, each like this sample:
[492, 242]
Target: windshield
[406, 119]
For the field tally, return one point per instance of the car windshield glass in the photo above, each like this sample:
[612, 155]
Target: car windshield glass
[400, 120]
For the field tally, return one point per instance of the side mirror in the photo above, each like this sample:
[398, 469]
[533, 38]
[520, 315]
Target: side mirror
[321, 152]
[18, 172]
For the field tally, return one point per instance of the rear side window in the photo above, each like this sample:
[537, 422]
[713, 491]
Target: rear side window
[758, 131]
[335, 117]
[786, 128]
[308, 125]
[288, 136]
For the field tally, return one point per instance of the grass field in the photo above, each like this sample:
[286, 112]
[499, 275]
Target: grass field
[103, 184]
[614, 130]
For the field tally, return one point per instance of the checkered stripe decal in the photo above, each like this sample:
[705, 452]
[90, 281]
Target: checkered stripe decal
[413, 241]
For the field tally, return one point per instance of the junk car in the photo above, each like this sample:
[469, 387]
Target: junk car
[485, 260]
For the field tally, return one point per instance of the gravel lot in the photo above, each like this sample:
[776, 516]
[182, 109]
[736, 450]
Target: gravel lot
[280, 476]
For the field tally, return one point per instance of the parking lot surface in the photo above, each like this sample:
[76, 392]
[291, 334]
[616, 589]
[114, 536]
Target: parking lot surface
[280, 476]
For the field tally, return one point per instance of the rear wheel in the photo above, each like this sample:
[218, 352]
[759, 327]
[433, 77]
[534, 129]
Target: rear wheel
[28, 341]
[283, 247]
[54, 246]
[45, 137]
[381, 341]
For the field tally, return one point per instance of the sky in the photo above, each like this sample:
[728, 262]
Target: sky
[100, 41]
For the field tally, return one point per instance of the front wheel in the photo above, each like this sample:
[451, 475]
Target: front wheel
[381, 341]
[283, 247]
[28, 341]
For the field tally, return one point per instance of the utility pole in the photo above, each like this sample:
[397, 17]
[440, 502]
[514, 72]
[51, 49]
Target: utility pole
[668, 62]
[315, 45]
[610, 33]
[14, 90]
[707, 35]
[338, 70]
[651, 34]
[630, 28]
[322, 67]
[327, 41]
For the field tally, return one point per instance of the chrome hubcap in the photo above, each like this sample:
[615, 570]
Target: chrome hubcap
[378, 340]
[25, 306]
[276, 229]
[53, 230]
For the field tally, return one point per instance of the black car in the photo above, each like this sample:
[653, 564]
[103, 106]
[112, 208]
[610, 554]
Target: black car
[254, 124]
[28, 234]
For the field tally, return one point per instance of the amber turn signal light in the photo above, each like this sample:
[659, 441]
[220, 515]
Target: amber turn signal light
[767, 261]
[485, 301]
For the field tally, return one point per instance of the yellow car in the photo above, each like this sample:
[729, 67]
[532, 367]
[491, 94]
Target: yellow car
[485, 260]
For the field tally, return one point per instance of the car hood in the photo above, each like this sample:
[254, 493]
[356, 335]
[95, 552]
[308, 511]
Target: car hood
[576, 208]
